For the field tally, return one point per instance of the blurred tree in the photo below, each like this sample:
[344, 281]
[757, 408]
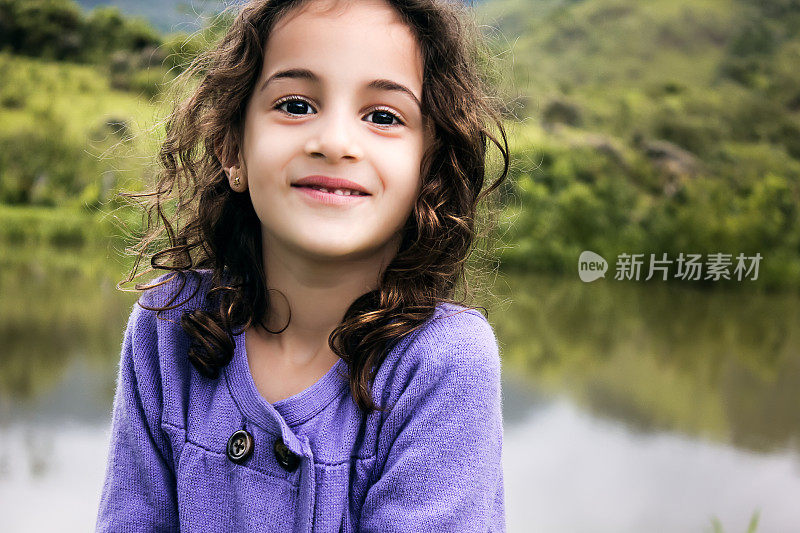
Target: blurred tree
[57, 29]
[49, 28]
[106, 30]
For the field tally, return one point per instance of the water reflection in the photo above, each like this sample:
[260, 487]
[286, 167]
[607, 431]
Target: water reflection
[627, 407]
[57, 306]
[718, 365]
[50, 475]
[568, 471]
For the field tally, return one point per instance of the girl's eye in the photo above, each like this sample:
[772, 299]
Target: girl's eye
[294, 106]
[383, 117]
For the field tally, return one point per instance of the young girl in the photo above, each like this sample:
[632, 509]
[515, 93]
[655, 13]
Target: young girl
[303, 367]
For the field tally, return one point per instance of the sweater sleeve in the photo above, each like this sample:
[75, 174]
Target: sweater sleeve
[139, 488]
[443, 470]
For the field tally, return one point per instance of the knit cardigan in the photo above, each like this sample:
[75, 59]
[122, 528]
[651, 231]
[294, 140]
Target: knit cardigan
[313, 462]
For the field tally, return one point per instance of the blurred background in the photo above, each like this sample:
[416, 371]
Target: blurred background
[636, 126]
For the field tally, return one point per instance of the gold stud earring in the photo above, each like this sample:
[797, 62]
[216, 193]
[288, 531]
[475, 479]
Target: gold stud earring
[236, 181]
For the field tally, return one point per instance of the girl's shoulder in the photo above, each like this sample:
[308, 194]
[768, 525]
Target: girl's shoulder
[157, 313]
[456, 335]
[177, 291]
[154, 337]
[455, 341]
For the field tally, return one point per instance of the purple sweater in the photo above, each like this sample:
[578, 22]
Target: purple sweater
[211, 455]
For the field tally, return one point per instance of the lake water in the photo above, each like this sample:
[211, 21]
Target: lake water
[628, 407]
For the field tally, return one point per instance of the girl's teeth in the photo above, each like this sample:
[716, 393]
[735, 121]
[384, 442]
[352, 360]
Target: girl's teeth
[339, 192]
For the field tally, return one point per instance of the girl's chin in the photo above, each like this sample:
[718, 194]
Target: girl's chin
[343, 251]
[333, 242]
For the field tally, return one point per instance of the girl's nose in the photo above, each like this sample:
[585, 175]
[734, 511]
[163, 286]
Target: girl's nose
[333, 138]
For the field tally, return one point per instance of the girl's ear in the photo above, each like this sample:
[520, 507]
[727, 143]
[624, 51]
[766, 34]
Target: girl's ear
[237, 178]
[231, 165]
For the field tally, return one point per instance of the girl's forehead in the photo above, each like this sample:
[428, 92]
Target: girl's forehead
[341, 15]
[336, 8]
[345, 37]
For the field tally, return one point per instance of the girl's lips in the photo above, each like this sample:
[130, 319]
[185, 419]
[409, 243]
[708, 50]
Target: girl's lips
[329, 198]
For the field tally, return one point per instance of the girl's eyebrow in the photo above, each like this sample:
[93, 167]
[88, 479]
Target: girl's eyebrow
[305, 74]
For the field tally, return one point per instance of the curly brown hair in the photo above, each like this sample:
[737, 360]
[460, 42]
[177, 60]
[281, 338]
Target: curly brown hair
[217, 229]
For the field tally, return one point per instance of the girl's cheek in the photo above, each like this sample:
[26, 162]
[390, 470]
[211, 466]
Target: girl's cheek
[272, 140]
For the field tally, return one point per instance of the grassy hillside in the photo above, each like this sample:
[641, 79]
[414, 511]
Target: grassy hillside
[654, 126]
[68, 137]
[692, 72]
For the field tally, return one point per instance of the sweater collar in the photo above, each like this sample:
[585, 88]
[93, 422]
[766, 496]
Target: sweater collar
[290, 411]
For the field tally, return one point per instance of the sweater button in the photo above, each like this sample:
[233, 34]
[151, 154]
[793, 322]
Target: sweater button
[285, 457]
[240, 446]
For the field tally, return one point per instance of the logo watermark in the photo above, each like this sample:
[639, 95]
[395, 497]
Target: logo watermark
[690, 267]
[591, 266]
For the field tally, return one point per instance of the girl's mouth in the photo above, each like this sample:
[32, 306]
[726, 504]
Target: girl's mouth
[331, 196]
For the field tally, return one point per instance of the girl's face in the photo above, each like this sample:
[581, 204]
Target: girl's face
[338, 97]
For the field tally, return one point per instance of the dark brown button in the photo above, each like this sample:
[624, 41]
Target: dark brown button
[240, 446]
[285, 457]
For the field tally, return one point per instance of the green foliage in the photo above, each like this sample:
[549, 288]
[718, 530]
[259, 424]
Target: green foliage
[41, 168]
[697, 109]
[180, 49]
[573, 196]
[55, 227]
[106, 30]
[756, 37]
[47, 28]
[129, 48]
[141, 72]
[561, 112]
[66, 138]
[57, 29]
[69, 133]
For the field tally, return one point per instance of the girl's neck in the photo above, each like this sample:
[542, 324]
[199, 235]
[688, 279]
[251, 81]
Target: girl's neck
[319, 293]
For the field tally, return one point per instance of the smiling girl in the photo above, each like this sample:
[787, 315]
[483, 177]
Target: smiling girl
[304, 367]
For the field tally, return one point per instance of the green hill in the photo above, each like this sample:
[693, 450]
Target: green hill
[653, 126]
[622, 61]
